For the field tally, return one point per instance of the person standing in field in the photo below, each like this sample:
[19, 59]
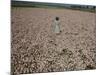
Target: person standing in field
[56, 26]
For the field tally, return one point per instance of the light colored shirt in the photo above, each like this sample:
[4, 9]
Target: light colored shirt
[56, 26]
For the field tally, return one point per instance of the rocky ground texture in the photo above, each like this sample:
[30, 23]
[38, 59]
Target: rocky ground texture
[35, 48]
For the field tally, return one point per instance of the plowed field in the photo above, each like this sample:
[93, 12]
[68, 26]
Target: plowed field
[35, 48]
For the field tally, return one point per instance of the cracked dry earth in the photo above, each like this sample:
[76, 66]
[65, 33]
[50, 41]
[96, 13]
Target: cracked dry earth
[35, 48]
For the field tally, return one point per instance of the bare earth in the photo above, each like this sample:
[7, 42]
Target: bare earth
[36, 48]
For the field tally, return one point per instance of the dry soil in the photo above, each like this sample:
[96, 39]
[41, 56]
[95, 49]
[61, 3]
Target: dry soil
[35, 48]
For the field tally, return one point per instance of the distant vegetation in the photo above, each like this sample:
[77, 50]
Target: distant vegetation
[89, 8]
